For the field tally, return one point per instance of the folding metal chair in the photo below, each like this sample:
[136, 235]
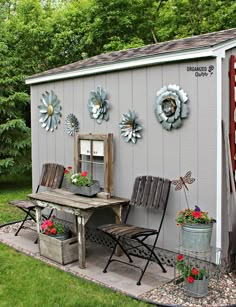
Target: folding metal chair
[51, 177]
[148, 192]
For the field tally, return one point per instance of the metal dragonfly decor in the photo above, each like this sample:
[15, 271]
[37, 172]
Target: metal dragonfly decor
[182, 183]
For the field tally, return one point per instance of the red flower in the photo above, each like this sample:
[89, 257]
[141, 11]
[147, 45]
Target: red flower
[69, 167]
[84, 174]
[197, 215]
[66, 171]
[190, 279]
[194, 271]
[180, 257]
[54, 231]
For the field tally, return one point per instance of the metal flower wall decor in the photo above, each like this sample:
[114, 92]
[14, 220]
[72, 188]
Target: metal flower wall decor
[72, 124]
[130, 127]
[98, 105]
[49, 111]
[170, 106]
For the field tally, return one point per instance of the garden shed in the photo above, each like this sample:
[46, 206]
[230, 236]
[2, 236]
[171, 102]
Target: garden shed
[174, 93]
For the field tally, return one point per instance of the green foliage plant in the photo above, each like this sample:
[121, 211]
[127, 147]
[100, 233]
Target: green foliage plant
[79, 179]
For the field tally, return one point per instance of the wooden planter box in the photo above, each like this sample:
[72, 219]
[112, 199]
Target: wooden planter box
[63, 252]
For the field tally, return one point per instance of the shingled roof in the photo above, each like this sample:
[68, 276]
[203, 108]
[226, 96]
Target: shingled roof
[188, 44]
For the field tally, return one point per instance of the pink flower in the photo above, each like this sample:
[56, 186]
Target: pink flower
[84, 174]
[50, 223]
[190, 279]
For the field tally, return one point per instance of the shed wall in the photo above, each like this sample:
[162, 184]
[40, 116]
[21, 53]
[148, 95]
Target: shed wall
[160, 152]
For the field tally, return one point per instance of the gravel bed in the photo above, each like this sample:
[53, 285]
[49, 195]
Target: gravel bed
[222, 292]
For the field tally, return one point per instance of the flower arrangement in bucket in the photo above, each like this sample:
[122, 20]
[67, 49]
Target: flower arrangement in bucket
[196, 279]
[51, 227]
[196, 224]
[193, 216]
[81, 182]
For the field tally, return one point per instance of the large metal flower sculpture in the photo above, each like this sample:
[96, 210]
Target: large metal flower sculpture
[130, 127]
[170, 106]
[98, 105]
[50, 111]
[72, 124]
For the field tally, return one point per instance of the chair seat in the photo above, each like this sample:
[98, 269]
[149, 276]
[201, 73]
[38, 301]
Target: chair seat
[126, 230]
[26, 204]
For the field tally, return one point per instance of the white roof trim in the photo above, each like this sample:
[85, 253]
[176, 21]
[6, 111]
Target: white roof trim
[134, 63]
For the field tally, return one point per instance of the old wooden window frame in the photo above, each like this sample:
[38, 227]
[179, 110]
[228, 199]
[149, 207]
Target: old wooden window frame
[108, 156]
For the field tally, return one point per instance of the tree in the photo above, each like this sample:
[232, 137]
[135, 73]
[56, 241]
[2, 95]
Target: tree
[21, 53]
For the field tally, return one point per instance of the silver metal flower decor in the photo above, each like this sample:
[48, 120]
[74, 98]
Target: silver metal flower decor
[130, 127]
[170, 106]
[98, 105]
[72, 124]
[50, 111]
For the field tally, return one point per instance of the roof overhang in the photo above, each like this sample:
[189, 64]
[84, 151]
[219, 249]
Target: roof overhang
[216, 51]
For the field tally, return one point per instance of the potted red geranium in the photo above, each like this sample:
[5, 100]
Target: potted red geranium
[196, 227]
[195, 278]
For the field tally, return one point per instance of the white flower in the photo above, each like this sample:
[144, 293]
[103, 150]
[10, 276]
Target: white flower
[74, 180]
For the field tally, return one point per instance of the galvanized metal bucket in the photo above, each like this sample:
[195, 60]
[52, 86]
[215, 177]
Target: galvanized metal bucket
[197, 237]
[199, 288]
[85, 190]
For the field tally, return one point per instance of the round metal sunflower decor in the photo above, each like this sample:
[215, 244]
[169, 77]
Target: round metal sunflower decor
[49, 111]
[130, 127]
[72, 124]
[98, 105]
[170, 106]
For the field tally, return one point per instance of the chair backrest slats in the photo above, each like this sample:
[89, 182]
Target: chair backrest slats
[146, 192]
[139, 196]
[165, 193]
[150, 192]
[157, 198]
[52, 175]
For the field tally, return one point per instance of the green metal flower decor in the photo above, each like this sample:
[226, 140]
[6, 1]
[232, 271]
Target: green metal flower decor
[72, 124]
[98, 105]
[50, 111]
[130, 127]
[170, 106]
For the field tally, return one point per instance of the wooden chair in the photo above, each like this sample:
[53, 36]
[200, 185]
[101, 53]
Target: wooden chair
[148, 192]
[51, 177]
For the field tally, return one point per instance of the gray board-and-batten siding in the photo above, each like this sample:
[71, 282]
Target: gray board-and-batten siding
[159, 152]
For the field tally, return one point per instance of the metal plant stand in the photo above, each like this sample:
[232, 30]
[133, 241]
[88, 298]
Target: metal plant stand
[208, 260]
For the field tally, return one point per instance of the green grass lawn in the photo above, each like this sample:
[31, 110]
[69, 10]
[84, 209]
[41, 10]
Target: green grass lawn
[28, 282]
[10, 189]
